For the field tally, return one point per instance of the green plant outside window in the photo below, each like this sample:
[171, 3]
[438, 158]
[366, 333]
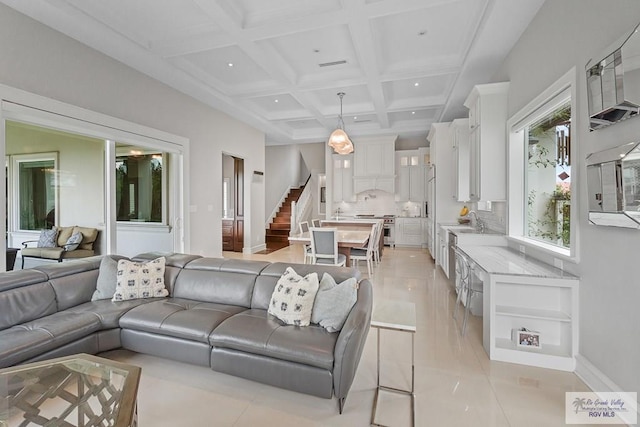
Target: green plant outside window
[548, 180]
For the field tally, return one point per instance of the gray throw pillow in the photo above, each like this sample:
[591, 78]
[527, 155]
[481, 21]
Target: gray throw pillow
[334, 302]
[107, 279]
[48, 238]
[73, 242]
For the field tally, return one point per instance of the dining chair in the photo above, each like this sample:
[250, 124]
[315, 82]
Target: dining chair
[366, 254]
[465, 286]
[315, 222]
[376, 239]
[324, 246]
[304, 228]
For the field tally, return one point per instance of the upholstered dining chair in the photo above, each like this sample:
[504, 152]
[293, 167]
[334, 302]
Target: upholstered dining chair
[304, 227]
[366, 254]
[324, 246]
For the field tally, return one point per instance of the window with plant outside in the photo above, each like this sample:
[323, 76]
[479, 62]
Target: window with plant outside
[548, 178]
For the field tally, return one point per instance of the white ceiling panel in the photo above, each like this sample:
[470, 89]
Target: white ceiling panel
[256, 12]
[397, 117]
[231, 65]
[304, 124]
[431, 38]
[425, 90]
[277, 46]
[318, 53]
[150, 20]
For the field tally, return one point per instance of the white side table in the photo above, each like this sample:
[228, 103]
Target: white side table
[396, 316]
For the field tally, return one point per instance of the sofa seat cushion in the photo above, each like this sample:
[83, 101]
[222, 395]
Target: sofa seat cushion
[255, 331]
[47, 253]
[179, 318]
[33, 338]
[107, 311]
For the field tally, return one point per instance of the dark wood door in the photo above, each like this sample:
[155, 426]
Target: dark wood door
[238, 226]
[227, 234]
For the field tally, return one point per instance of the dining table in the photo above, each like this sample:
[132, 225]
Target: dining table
[348, 237]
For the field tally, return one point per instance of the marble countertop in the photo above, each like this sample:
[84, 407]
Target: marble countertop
[504, 260]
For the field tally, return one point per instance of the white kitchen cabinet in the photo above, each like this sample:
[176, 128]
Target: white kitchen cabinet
[443, 250]
[410, 176]
[408, 232]
[521, 292]
[460, 166]
[342, 178]
[487, 149]
[374, 165]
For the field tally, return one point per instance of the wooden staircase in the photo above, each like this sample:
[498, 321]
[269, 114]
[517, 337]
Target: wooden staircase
[277, 236]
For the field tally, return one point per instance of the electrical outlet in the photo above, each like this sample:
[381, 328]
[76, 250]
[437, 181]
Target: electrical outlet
[558, 263]
[522, 249]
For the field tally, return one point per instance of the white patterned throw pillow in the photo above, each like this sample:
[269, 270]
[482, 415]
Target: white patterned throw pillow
[293, 296]
[140, 280]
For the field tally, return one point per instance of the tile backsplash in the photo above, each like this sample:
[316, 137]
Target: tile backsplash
[496, 218]
[378, 202]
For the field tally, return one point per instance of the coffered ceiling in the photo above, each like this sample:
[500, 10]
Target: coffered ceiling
[279, 64]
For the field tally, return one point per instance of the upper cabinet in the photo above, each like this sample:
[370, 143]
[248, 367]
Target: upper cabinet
[460, 164]
[410, 175]
[374, 164]
[487, 106]
[342, 178]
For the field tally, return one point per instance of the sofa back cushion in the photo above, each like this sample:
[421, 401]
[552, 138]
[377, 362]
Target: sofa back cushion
[26, 303]
[215, 286]
[266, 282]
[74, 289]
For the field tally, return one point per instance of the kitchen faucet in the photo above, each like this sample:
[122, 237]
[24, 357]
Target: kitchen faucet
[479, 225]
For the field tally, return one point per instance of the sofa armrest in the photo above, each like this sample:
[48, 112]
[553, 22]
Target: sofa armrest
[25, 244]
[350, 343]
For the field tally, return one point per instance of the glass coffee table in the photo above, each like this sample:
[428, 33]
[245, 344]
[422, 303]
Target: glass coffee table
[79, 390]
[398, 316]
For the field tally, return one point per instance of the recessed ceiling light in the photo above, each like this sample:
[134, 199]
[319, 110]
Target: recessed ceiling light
[355, 117]
[316, 50]
[276, 100]
[416, 84]
[230, 64]
[413, 112]
[422, 33]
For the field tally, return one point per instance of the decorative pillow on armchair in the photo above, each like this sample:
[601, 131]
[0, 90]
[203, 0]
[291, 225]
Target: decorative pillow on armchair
[48, 238]
[73, 242]
[140, 280]
[292, 298]
[334, 302]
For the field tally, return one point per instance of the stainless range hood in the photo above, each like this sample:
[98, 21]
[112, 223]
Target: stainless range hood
[613, 183]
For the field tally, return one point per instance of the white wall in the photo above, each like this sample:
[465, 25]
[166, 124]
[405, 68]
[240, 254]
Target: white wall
[282, 170]
[40, 60]
[568, 34]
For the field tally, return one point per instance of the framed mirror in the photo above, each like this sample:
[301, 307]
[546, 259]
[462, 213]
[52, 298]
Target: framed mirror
[613, 83]
[613, 183]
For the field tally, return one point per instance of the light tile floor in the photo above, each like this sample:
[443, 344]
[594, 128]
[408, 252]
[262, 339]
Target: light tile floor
[456, 384]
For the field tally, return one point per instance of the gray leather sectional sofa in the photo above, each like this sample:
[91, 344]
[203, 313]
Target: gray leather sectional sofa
[215, 316]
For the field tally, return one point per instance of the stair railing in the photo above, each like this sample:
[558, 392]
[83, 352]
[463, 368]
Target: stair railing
[300, 209]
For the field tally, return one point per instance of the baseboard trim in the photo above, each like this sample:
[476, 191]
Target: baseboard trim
[254, 249]
[595, 379]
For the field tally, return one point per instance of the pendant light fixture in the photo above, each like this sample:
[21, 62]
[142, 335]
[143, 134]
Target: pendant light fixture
[339, 140]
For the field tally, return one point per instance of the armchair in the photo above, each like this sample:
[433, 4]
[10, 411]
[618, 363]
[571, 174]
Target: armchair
[62, 250]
